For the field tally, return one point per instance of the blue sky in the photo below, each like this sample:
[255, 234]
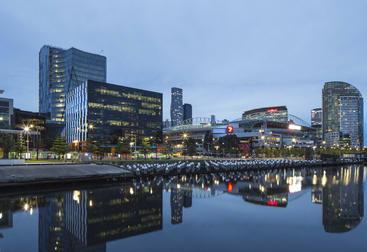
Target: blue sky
[228, 56]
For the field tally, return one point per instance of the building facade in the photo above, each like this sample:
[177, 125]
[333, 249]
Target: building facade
[177, 112]
[187, 111]
[60, 71]
[6, 113]
[277, 114]
[316, 122]
[342, 109]
[108, 113]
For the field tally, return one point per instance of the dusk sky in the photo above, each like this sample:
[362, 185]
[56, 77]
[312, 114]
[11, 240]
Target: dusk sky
[228, 56]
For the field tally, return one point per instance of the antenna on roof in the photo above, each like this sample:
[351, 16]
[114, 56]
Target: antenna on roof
[102, 51]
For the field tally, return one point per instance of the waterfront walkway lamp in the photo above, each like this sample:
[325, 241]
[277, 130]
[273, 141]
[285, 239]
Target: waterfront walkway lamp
[26, 130]
[131, 147]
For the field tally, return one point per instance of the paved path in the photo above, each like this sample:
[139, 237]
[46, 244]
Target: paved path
[36, 174]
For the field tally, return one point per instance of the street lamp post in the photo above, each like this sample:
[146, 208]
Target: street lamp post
[26, 130]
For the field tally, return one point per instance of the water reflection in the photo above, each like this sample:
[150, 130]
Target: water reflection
[86, 219]
[340, 191]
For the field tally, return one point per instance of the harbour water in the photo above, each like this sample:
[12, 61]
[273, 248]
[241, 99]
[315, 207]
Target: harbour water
[280, 210]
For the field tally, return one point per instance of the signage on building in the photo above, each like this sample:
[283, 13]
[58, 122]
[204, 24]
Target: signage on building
[294, 127]
[272, 110]
[229, 129]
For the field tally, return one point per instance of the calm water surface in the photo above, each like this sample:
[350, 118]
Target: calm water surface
[285, 210]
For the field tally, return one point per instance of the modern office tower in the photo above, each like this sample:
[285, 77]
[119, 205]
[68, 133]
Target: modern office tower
[6, 112]
[107, 113]
[61, 70]
[212, 119]
[176, 106]
[316, 117]
[316, 122]
[342, 111]
[277, 114]
[187, 111]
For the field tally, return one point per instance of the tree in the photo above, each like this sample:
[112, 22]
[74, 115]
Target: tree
[208, 142]
[229, 144]
[6, 143]
[189, 147]
[19, 146]
[60, 146]
[90, 146]
[123, 149]
[145, 147]
[167, 150]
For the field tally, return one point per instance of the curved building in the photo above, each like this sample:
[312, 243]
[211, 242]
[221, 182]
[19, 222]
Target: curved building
[342, 109]
[277, 114]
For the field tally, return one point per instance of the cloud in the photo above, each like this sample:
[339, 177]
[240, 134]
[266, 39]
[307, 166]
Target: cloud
[228, 56]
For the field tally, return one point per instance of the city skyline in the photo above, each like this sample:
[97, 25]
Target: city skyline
[232, 61]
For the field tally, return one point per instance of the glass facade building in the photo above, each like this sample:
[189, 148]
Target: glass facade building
[187, 108]
[316, 122]
[6, 113]
[61, 70]
[107, 113]
[276, 114]
[177, 112]
[342, 108]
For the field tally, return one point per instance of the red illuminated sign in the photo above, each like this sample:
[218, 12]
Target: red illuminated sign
[273, 110]
[230, 187]
[272, 203]
[229, 129]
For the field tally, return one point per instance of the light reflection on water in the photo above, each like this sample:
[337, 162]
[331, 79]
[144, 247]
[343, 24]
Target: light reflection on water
[145, 214]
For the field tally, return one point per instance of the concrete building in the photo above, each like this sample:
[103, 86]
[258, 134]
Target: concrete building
[177, 112]
[61, 70]
[342, 110]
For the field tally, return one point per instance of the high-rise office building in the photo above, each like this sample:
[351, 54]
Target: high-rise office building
[342, 111]
[212, 119]
[176, 106]
[316, 117]
[61, 70]
[187, 111]
[106, 112]
[6, 113]
[316, 122]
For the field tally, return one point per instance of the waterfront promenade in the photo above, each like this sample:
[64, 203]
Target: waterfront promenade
[58, 173]
[41, 174]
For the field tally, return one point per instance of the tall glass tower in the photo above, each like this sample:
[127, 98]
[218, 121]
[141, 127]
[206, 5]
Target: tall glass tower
[342, 110]
[60, 70]
[176, 106]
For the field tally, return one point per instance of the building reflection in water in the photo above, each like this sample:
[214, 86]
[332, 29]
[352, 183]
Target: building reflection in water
[85, 220]
[342, 202]
[177, 204]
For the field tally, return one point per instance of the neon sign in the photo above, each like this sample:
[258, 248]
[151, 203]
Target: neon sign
[272, 110]
[229, 129]
[230, 187]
